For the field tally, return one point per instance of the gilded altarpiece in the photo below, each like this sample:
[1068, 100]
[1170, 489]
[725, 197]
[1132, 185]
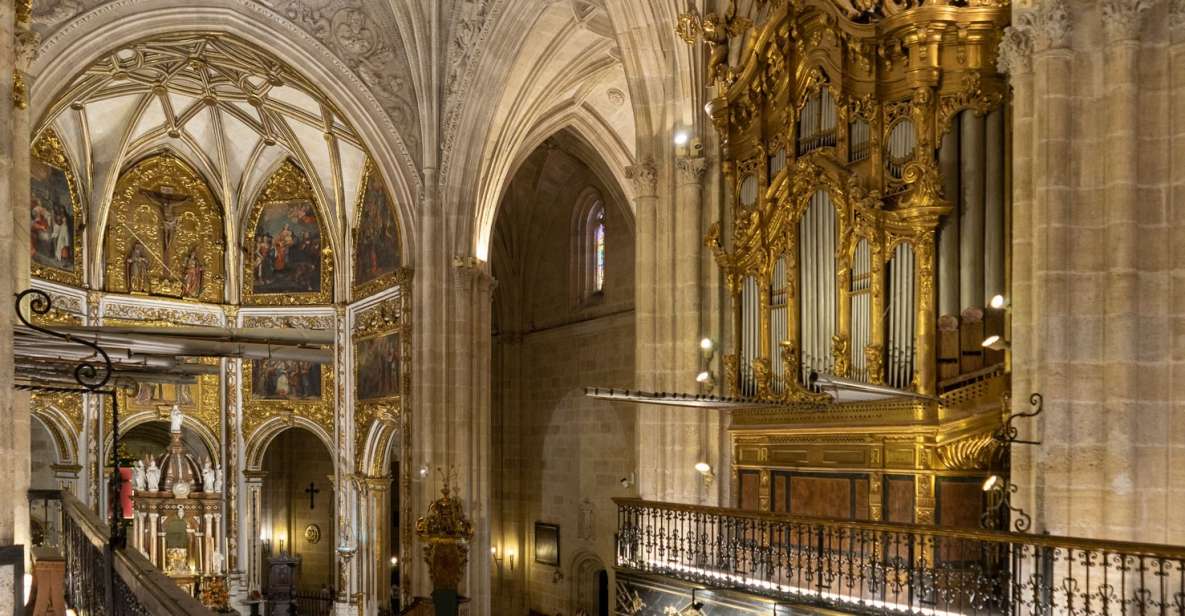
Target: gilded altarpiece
[55, 212]
[288, 258]
[376, 237]
[381, 370]
[165, 233]
[845, 106]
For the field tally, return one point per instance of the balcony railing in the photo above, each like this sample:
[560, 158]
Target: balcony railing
[102, 578]
[875, 567]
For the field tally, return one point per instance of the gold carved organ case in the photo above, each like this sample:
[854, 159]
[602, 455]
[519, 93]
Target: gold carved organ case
[865, 231]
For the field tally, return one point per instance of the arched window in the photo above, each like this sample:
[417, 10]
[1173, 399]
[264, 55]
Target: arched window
[589, 248]
[597, 262]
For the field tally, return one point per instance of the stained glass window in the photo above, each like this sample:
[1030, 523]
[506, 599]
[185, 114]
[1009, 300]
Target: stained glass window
[599, 250]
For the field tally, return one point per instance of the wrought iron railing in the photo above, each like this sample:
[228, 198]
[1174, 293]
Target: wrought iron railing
[876, 567]
[112, 580]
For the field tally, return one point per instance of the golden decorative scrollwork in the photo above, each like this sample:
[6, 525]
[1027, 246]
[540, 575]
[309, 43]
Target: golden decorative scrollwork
[165, 233]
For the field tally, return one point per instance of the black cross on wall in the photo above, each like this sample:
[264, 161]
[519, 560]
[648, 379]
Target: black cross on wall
[312, 491]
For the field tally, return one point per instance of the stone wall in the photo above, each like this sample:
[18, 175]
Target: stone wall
[558, 456]
[295, 459]
[1098, 143]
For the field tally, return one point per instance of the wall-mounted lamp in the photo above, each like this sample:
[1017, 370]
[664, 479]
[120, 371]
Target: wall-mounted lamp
[707, 349]
[627, 481]
[423, 471]
[682, 137]
[995, 342]
[705, 469]
[998, 302]
[999, 502]
[507, 555]
[394, 561]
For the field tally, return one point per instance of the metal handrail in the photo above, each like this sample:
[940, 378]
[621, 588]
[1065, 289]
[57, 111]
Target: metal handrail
[991, 536]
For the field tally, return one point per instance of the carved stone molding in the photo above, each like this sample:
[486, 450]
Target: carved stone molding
[644, 175]
[1049, 24]
[1122, 19]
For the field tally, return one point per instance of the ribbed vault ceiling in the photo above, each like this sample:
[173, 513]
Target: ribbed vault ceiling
[230, 109]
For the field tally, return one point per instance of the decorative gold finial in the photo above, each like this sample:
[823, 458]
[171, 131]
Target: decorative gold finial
[446, 531]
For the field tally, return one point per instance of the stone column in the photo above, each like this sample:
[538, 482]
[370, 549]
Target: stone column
[650, 481]
[1175, 503]
[1121, 353]
[253, 523]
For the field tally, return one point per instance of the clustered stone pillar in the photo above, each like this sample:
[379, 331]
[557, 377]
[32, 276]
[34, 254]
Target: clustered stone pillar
[1097, 224]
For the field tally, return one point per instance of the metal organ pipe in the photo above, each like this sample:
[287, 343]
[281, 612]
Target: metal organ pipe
[816, 262]
[993, 230]
[971, 210]
[859, 136]
[750, 341]
[777, 325]
[777, 162]
[749, 191]
[902, 140]
[948, 230]
[861, 309]
[901, 316]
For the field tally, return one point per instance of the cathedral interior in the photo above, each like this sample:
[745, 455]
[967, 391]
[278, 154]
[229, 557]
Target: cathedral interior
[592, 307]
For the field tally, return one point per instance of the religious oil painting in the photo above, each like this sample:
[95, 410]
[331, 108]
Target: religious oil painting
[273, 379]
[376, 250]
[287, 250]
[51, 228]
[377, 360]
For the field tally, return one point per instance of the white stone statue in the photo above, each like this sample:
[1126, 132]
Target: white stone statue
[175, 419]
[218, 479]
[208, 481]
[217, 562]
[138, 475]
[153, 476]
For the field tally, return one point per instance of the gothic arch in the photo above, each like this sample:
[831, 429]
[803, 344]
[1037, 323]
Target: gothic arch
[258, 442]
[57, 423]
[585, 566]
[93, 33]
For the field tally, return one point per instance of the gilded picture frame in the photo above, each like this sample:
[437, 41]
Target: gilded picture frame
[372, 179]
[288, 184]
[390, 316]
[256, 411]
[48, 150]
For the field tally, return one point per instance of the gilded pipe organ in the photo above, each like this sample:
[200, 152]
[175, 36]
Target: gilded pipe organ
[862, 150]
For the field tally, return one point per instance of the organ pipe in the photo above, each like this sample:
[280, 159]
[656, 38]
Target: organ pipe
[749, 191]
[777, 323]
[993, 229]
[901, 316]
[861, 297]
[902, 141]
[971, 210]
[948, 231]
[750, 335]
[816, 262]
[777, 162]
[859, 135]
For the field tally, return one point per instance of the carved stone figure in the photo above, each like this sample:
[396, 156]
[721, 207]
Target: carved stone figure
[218, 478]
[152, 475]
[138, 475]
[175, 418]
[191, 284]
[208, 478]
[136, 268]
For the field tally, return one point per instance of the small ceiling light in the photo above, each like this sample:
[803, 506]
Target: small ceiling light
[703, 377]
[706, 344]
[990, 483]
[394, 561]
[681, 137]
[703, 468]
[995, 343]
[998, 302]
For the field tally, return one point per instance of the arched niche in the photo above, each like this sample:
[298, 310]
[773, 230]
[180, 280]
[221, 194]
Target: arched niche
[298, 503]
[165, 233]
[377, 241]
[288, 255]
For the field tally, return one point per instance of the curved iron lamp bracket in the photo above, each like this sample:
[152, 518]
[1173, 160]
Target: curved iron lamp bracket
[1007, 433]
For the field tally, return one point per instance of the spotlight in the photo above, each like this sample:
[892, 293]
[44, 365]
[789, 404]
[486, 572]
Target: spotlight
[703, 468]
[990, 483]
[394, 561]
[703, 377]
[681, 137]
[995, 343]
[707, 345]
[423, 471]
[998, 302]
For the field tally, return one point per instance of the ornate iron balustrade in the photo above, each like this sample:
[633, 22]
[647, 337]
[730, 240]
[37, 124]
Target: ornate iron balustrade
[878, 567]
[113, 580]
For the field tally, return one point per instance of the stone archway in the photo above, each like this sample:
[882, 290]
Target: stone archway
[589, 590]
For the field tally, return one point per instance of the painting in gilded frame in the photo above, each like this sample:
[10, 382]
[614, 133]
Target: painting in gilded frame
[377, 366]
[54, 241]
[376, 237]
[288, 257]
[287, 250]
[276, 379]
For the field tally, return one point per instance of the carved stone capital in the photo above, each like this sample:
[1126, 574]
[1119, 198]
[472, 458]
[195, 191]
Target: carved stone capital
[1177, 20]
[645, 178]
[691, 169]
[1122, 19]
[1049, 25]
[1015, 56]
